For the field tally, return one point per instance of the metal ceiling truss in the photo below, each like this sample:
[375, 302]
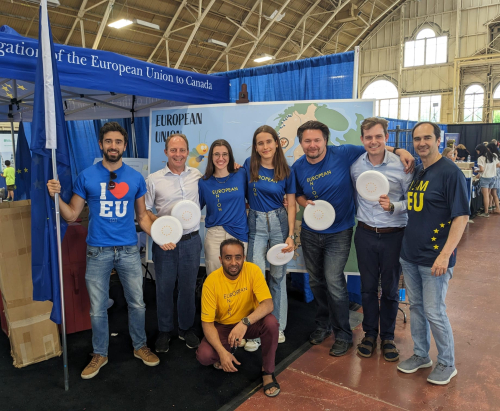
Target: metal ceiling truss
[200, 18]
[263, 33]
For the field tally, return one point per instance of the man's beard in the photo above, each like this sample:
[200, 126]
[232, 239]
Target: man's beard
[233, 275]
[112, 160]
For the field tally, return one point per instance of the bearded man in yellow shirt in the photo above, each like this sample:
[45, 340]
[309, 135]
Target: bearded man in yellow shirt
[236, 303]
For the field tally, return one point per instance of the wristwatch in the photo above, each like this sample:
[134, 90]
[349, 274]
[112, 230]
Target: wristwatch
[395, 149]
[292, 236]
[246, 321]
[391, 208]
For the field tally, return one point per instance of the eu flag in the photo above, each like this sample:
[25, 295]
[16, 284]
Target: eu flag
[23, 166]
[48, 132]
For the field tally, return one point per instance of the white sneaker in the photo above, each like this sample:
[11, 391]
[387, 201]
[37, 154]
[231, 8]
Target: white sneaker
[252, 345]
[242, 343]
[281, 337]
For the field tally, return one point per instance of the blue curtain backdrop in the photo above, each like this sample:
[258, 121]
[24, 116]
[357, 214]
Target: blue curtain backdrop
[405, 139]
[317, 78]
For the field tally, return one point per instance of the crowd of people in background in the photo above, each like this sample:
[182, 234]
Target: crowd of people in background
[487, 171]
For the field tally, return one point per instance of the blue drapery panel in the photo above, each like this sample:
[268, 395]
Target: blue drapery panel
[405, 139]
[317, 78]
[83, 145]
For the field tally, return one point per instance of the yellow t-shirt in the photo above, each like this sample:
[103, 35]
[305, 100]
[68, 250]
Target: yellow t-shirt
[10, 176]
[228, 301]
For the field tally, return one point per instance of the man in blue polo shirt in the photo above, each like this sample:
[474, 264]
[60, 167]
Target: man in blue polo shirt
[438, 211]
[381, 225]
[323, 174]
[112, 190]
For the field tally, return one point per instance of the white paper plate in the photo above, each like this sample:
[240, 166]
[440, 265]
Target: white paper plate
[371, 185]
[319, 216]
[166, 230]
[276, 257]
[188, 213]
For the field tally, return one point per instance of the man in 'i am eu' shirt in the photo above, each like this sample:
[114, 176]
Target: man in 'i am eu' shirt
[323, 174]
[113, 190]
[438, 211]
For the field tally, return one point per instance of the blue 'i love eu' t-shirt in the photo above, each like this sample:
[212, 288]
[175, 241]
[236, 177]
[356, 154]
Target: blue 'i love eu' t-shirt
[225, 201]
[330, 180]
[436, 196]
[266, 194]
[111, 217]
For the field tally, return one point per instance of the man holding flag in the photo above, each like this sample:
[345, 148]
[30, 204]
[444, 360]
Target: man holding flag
[109, 187]
[111, 221]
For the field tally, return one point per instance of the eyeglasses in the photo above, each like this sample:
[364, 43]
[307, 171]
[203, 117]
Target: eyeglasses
[112, 184]
[223, 155]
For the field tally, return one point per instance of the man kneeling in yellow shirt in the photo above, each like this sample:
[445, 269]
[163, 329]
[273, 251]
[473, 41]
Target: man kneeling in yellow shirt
[236, 303]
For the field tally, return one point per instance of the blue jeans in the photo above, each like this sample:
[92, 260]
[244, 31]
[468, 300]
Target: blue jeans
[181, 264]
[127, 262]
[265, 231]
[325, 256]
[426, 295]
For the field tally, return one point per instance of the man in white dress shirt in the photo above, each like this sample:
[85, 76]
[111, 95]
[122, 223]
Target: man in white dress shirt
[378, 239]
[175, 262]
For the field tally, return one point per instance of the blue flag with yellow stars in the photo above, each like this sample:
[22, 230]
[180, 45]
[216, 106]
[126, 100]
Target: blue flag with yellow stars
[23, 166]
[48, 132]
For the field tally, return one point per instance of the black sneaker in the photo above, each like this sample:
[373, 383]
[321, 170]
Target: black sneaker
[339, 348]
[319, 335]
[192, 341]
[162, 341]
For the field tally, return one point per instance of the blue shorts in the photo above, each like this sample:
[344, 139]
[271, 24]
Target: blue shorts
[487, 182]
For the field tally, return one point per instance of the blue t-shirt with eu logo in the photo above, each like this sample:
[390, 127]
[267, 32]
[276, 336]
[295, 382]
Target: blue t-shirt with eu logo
[111, 216]
[266, 194]
[330, 180]
[436, 196]
[225, 201]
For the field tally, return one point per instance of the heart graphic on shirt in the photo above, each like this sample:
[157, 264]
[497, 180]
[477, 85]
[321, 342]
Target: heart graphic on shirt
[120, 190]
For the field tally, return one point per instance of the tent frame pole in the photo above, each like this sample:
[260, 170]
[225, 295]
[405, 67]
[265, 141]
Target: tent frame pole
[61, 280]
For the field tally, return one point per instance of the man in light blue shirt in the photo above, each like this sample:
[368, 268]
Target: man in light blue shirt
[378, 238]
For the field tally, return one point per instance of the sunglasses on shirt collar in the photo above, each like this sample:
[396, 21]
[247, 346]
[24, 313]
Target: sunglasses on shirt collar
[420, 176]
[112, 184]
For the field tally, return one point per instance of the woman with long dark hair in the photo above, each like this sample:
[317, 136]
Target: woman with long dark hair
[269, 180]
[222, 190]
[496, 188]
[487, 162]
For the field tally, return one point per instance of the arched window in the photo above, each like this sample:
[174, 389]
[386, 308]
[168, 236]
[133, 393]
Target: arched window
[473, 103]
[386, 95]
[426, 49]
[496, 93]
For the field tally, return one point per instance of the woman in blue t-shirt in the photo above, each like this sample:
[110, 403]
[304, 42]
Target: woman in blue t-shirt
[269, 180]
[222, 190]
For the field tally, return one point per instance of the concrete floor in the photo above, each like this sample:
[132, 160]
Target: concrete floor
[317, 381]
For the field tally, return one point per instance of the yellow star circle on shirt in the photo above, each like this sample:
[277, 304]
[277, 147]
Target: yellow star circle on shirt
[436, 231]
[436, 247]
[433, 238]
[442, 225]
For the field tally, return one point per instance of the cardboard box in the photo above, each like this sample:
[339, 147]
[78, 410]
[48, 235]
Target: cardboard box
[33, 336]
[465, 165]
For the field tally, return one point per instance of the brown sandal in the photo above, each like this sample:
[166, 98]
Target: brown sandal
[389, 350]
[367, 347]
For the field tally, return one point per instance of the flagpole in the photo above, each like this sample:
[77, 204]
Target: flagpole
[61, 280]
